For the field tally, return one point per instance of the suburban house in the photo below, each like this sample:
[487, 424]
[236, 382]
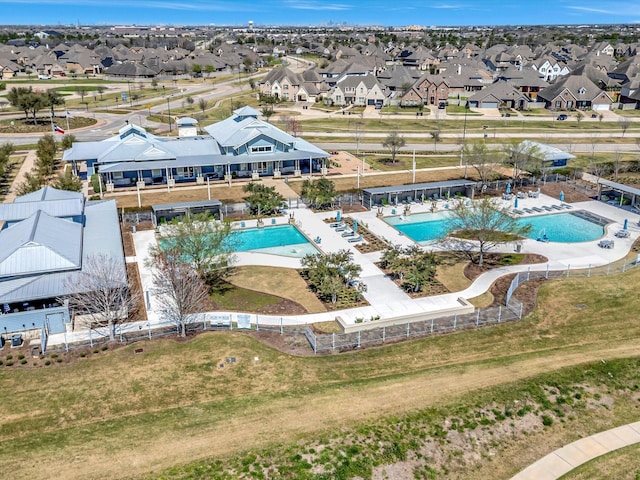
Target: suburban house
[499, 94]
[356, 90]
[427, 90]
[575, 91]
[45, 239]
[239, 146]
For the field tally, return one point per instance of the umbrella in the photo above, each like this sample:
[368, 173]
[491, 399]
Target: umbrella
[516, 204]
[355, 226]
[338, 216]
[562, 196]
[626, 224]
[508, 188]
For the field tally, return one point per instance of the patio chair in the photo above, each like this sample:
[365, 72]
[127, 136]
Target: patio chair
[622, 234]
[355, 239]
[350, 233]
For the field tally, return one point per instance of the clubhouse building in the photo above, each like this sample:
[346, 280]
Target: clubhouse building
[241, 146]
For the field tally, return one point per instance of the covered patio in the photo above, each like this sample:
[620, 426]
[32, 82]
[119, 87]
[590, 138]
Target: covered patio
[417, 192]
[625, 192]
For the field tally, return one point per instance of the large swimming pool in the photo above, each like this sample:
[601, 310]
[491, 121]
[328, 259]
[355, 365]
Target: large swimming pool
[558, 227]
[285, 240]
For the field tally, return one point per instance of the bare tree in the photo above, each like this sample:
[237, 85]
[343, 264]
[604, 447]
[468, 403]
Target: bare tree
[101, 292]
[479, 157]
[293, 126]
[436, 138]
[617, 165]
[519, 155]
[181, 293]
[394, 142]
[624, 123]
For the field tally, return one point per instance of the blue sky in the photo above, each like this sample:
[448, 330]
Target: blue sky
[317, 12]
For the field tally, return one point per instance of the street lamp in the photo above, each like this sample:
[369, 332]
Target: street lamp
[464, 131]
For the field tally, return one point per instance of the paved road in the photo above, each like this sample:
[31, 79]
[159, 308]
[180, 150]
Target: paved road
[565, 459]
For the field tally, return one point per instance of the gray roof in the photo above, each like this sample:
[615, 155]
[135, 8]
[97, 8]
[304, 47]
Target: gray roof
[184, 205]
[543, 151]
[49, 193]
[38, 244]
[11, 212]
[418, 186]
[621, 187]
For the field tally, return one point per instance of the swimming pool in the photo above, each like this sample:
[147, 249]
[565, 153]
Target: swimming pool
[285, 240]
[424, 228]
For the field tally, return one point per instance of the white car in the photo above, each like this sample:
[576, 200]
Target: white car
[44, 77]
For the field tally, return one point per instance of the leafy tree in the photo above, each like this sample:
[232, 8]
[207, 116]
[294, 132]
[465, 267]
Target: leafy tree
[5, 155]
[154, 84]
[180, 291]
[320, 193]
[267, 111]
[101, 89]
[205, 242]
[52, 99]
[31, 183]
[46, 149]
[262, 200]
[68, 181]
[82, 91]
[394, 142]
[487, 224]
[67, 141]
[248, 63]
[519, 155]
[101, 292]
[16, 98]
[196, 69]
[436, 138]
[332, 274]
[579, 117]
[412, 265]
[252, 84]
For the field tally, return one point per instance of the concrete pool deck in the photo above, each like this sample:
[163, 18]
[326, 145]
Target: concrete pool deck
[384, 297]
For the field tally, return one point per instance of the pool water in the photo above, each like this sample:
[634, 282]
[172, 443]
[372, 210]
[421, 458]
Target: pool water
[285, 240]
[559, 227]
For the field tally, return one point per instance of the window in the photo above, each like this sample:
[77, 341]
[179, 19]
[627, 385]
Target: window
[117, 175]
[285, 87]
[185, 172]
[582, 91]
[558, 104]
[262, 149]
[156, 172]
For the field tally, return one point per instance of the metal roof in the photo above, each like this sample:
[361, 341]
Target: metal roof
[11, 212]
[49, 193]
[38, 244]
[418, 186]
[543, 151]
[620, 186]
[173, 206]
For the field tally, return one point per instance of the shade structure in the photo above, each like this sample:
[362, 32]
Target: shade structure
[562, 196]
[626, 224]
[355, 226]
[516, 204]
[508, 188]
[338, 215]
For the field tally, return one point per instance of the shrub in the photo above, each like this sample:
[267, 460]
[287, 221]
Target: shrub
[547, 421]
[23, 361]
[9, 363]
[47, 362]
[9, 357]
[20, 357]
[105, 347]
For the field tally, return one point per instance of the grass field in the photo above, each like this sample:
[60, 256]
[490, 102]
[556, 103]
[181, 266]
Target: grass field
[117, 414]
[623, 464]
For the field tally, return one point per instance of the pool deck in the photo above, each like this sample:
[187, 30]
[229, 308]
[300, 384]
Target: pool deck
[384, 297]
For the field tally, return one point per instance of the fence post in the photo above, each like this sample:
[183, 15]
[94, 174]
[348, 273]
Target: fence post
[521, 308]
[546, 275]
[359, 333]
[624, 267]
[455, 321]
[608, 268]
[333, 341]
[66, 345]
[431, 325]
[281, 327]
[528, 273]
[90, 337]
[408, 328]
[477, 317]
[499, 313]
[568, 267]
[589, 272]
[315, 340]
[257, 324]
[384, 333]
[149, 328]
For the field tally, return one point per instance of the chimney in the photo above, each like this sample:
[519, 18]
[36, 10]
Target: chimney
[459, 69]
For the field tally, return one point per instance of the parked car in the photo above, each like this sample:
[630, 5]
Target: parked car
[562, 116]
[44, 77]
[442, 106]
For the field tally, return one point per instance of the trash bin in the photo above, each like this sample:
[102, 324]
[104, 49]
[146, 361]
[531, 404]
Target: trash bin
[133, 229]
[518, 248]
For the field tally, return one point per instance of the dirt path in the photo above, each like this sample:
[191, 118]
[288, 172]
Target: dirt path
[285, 419]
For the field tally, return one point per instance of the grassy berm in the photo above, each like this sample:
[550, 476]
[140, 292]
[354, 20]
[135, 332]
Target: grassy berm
[477, 404]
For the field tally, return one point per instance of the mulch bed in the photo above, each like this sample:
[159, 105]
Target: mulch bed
[492, 260]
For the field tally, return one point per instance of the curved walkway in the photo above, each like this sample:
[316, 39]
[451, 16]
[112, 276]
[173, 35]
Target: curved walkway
[571, 456]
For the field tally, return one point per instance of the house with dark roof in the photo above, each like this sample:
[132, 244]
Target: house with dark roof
[499, 94]
[240, 146]
[575, 91]
[45, 240]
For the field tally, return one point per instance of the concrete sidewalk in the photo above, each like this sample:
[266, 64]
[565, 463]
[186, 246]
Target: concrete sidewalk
[565, 459]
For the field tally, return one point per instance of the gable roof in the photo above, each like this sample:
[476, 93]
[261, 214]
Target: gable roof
[41, 243]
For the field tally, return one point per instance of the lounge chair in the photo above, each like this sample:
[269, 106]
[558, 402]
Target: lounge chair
[341, 228]
[349, 234]
[622, 234]
[606, 244]
[355, 239]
